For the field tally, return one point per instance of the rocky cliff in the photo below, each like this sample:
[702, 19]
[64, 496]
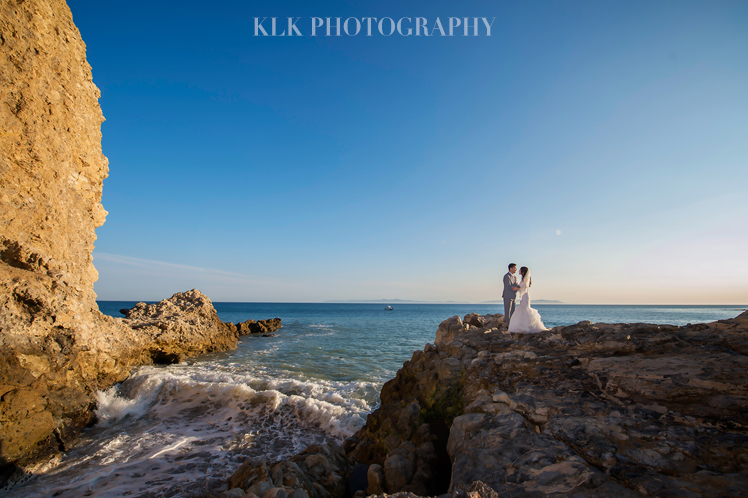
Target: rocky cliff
[588, 410]
[51, 174]
[56, 348]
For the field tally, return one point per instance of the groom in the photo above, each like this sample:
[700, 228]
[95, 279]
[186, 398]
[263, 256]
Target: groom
[510, 292]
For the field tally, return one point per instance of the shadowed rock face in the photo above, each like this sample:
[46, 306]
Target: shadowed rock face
[320, 471]
[588, 410]
[259, 327]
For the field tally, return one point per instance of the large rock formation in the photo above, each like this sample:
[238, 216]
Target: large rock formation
[588, 410]
[592, 410]
[56, 348]
[51, 170]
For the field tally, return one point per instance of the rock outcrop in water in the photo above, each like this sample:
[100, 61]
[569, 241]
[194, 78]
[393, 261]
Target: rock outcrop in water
[259, 327]
[588, 410]
[180, 327]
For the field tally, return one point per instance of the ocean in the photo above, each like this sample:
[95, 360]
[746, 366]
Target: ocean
[181, 430]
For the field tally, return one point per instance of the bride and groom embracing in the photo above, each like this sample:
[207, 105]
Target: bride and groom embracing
[523, 320]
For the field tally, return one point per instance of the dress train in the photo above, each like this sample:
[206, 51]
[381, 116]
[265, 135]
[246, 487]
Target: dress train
[526, 320]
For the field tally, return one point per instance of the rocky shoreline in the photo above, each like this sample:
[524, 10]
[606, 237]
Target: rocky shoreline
[56, 349]
[56, 381]
[587, 410]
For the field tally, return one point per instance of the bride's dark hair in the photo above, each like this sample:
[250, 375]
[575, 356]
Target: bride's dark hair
[523, 271]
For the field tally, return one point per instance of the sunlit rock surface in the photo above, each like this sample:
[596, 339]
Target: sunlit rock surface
[588, 410]
[56, 348]
[184, 325]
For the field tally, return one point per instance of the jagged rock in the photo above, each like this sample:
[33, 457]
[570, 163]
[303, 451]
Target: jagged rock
[320, 471]
[258, 327]
[184, 325]
[592, 410]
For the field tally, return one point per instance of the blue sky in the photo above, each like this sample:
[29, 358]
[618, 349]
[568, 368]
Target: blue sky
[602, 144]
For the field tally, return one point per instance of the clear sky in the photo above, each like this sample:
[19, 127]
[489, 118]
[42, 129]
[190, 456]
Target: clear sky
[602, 144]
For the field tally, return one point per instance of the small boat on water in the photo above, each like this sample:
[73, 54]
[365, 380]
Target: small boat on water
[388, 308]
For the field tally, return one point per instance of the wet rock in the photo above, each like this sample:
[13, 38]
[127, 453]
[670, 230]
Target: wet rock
[320, 471]
[250, 474]
[261, 327]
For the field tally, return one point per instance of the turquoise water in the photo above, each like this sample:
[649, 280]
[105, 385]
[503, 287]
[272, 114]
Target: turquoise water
[181, 430]
[346, 342]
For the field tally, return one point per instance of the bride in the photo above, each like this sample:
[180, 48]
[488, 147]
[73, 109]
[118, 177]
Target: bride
[526, 320]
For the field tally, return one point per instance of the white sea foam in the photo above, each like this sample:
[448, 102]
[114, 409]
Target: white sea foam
[181, 430]
[112, 407]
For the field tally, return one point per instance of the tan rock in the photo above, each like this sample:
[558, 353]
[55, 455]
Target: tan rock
[56, 348]
[593, 410]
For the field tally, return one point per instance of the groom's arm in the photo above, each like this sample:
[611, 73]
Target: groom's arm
[508, 283]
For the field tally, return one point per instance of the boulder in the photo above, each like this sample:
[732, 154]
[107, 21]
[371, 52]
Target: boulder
[398, 469]
[320, 471]
[375, 477]
[184, 325]
[449, 329]
[258, 327]
[232, 493]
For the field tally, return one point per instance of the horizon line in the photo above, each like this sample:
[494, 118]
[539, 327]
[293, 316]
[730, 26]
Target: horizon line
[483, 303]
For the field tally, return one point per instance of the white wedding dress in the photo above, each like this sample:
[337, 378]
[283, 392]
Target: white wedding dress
[526, 320]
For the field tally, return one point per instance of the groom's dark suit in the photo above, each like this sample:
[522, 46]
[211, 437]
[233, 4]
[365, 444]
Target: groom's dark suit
[509, 296]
